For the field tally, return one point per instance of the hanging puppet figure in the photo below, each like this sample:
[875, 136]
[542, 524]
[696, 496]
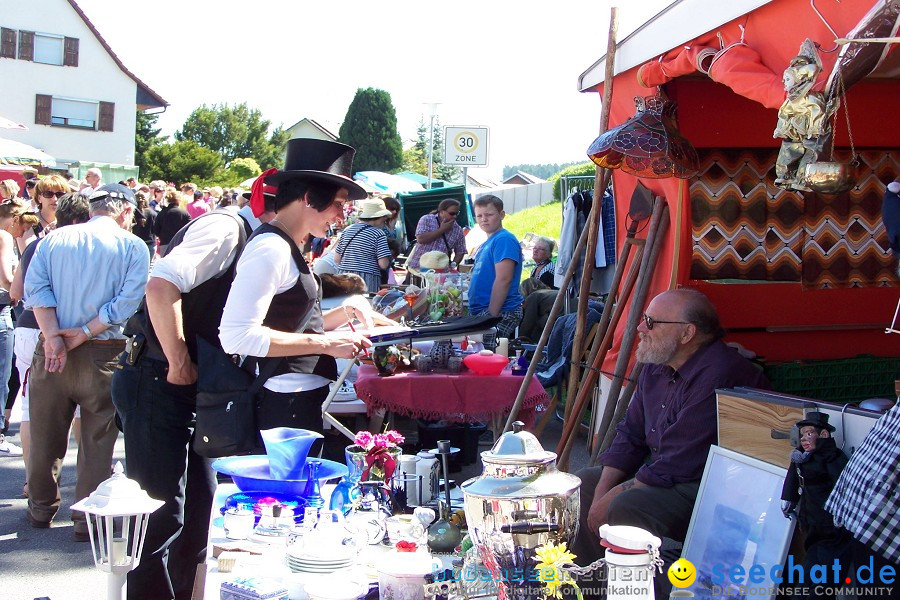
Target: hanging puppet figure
[804, 120]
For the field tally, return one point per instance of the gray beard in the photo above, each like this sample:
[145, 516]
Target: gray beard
[656, 354]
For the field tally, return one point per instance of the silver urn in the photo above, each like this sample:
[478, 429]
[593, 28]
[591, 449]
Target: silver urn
[519, 503]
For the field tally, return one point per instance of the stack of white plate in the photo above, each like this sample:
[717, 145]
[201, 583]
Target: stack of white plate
[307, 563]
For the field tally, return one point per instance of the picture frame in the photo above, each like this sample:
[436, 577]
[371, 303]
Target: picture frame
[737, 521]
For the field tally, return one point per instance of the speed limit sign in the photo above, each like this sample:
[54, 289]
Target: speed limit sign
[466, 146]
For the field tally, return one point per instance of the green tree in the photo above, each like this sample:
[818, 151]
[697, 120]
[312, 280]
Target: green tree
[182, 161]
[235, 132]
[370, 126]
[146, 136]
[415, 161]
[245, 168]
[440, 170]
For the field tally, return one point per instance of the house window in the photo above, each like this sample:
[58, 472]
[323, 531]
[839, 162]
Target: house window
[70, 112]
[48, 48]
[74, 112]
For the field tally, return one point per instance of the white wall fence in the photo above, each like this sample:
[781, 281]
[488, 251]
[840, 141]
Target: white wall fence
[520, 197]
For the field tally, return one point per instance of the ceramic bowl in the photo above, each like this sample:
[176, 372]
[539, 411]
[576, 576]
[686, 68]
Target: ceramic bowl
[251, 474]
[486, 364]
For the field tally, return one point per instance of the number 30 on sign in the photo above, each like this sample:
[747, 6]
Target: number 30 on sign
[466, 146]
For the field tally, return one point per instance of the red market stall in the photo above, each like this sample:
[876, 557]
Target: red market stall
[795, 275]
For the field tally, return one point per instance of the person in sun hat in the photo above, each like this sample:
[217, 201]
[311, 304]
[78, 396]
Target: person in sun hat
[363, 248]
[155, 395]
[273, 312]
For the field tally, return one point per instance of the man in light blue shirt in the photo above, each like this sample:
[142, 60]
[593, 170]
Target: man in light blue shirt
[83, 283]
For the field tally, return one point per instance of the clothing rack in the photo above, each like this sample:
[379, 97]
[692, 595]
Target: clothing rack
[570, 183]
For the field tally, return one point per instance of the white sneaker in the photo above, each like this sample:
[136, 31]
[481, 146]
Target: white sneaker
[8, 448]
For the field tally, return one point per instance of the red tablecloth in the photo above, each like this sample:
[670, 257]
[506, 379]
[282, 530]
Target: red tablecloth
[461, 398]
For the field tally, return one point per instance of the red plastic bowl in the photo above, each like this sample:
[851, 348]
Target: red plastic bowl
[486, 364]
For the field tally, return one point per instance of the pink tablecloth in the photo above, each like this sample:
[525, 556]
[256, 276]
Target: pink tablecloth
[458, 398]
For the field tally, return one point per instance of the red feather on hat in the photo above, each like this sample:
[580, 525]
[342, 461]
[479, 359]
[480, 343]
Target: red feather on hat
[258, 191]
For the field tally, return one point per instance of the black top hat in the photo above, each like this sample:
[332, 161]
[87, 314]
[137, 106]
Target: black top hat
[321, 160]
[816, 419]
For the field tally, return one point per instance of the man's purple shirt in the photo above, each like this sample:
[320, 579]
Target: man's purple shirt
[671, 421]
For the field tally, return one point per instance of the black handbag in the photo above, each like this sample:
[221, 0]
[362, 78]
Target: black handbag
[226, 394]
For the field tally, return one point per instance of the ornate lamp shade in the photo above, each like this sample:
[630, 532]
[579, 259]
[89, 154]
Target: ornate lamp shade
[648, 144]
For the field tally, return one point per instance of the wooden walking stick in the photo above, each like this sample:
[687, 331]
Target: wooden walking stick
[601, 179]
[593, 222]
[545, 335]
[580, 403]
[638, 211]
[659, 223]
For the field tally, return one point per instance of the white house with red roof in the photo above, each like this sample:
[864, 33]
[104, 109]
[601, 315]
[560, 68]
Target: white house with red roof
[64, 82]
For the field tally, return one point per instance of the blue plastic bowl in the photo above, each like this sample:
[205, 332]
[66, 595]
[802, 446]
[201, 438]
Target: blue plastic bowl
[251, 474]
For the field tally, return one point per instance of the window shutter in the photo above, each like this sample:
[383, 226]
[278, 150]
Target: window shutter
[26, 45]
[42, 106]
[107, 112]
[7, 43]
[70, 56]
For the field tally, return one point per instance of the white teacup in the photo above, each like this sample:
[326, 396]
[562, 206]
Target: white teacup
[404, 528]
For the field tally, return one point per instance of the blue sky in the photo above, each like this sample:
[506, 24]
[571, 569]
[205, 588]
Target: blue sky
[509, 66]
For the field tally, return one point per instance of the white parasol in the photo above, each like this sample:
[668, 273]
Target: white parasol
[17, 153]
[385, 183]
[10, 124]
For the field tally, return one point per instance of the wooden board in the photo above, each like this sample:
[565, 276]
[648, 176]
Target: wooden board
[757, 428]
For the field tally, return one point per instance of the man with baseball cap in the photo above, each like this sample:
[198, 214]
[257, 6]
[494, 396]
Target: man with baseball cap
[83, 283]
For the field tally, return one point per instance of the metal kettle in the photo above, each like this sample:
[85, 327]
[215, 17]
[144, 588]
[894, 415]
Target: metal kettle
[519, 503]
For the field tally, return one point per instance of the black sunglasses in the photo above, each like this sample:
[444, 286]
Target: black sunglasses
[48, 194]
[650, 322]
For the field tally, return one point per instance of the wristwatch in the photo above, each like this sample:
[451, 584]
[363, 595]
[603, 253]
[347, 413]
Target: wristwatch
[87, 331]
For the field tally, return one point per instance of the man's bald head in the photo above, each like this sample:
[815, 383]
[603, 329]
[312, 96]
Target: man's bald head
[683, 321]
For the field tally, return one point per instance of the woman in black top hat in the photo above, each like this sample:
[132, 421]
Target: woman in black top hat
[273, 311]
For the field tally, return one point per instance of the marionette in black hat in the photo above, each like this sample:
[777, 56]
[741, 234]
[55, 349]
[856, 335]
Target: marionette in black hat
[815, 468]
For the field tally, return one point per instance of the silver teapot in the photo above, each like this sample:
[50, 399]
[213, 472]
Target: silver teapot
[519, 503]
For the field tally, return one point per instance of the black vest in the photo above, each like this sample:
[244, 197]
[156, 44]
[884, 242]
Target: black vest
[201, 308]
[288, 311]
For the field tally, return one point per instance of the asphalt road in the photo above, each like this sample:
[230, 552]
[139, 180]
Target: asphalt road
[48, 563]
[44, 563]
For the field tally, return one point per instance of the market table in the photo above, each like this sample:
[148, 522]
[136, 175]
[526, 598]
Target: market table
[272, 562]
[459, 398]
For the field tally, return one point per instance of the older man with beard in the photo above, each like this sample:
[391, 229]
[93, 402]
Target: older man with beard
[651, 473]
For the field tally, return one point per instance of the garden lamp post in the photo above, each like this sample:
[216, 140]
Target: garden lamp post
[117, 513]
[432, 113]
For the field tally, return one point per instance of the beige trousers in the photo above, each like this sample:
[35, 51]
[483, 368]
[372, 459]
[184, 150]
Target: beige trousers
[84, 382]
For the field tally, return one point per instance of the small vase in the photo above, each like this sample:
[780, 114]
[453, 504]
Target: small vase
[379, 470]
[312, 494]
[440, 353]
[387, 360]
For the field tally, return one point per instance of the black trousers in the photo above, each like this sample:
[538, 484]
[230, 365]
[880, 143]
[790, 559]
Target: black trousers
[158, 422]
